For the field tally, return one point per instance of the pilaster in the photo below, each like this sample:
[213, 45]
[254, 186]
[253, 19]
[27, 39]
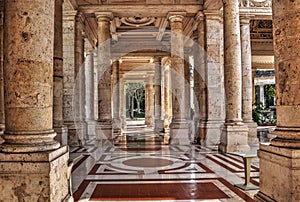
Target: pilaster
[72, 38]
[212, 100]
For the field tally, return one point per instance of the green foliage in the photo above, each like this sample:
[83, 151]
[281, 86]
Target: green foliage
[270, 91]
[262, 115]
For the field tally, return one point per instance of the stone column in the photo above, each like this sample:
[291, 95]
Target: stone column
[2, 115]
[33, 165]
[58, 123]
[95, 85]
[262, 94]
[72, 38]
[159, 124]
[180, 128]
[89, 98]
[104, 129]
[279, 162]
[122, 101]
[247, 80]
[187, 85]
[167, 103]
[149, 108]
[200, 88]
[212, 100]
[116, 97]
[79, 95]
[235, 134]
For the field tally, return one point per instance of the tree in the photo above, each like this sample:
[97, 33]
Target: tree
[136, 91]
[139, 95]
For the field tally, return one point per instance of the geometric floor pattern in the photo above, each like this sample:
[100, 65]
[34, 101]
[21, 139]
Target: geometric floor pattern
[141, 171]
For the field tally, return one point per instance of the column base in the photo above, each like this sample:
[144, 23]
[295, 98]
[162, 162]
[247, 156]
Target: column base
[40, 176]
[76, 135]
[180, 132]
[104, 131]
[159, 125]
[61, 134]
[116, 128]
[91, 129]
[24, 142]
[279, 174]
[252, 133]
[234, 138]
[210, 132]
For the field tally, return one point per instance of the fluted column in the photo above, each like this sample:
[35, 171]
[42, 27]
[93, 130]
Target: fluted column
[58, 123]
[149, 108]
[235, 133]
[247, 80]
[180, 128]
[116, 97]
[279, 161]
[158, 99]
[104, 129]
[31, 161]
[2, 115]
[90, 96]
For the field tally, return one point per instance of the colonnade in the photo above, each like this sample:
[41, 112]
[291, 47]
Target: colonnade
[45, 93]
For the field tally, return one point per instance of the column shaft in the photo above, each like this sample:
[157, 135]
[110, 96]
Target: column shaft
[28, 77]
[104, 129]
[247, 80]
[180, 128]
[235, 134]
[89, 92]
[282, 156]
[116, 96]
[58, 124]
[187, 90]
[149, 111]
[232, 59]
[158, 94]
[177, 66]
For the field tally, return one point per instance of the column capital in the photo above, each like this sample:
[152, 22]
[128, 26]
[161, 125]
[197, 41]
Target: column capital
[199, 16]
[245, 19]
[212, 14]
[69, 15]
[176, 16]
[104, 16]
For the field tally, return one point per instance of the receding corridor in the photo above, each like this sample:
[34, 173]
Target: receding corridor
[140, 167]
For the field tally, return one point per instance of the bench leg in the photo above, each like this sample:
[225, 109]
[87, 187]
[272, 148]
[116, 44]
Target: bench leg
[247, 168]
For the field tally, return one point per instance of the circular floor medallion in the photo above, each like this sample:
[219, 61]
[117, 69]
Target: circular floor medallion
[148, 162]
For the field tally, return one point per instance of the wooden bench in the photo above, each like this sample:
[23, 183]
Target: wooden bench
[247, 159]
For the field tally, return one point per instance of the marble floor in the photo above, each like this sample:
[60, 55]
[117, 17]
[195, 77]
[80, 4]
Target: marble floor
[140, 168]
